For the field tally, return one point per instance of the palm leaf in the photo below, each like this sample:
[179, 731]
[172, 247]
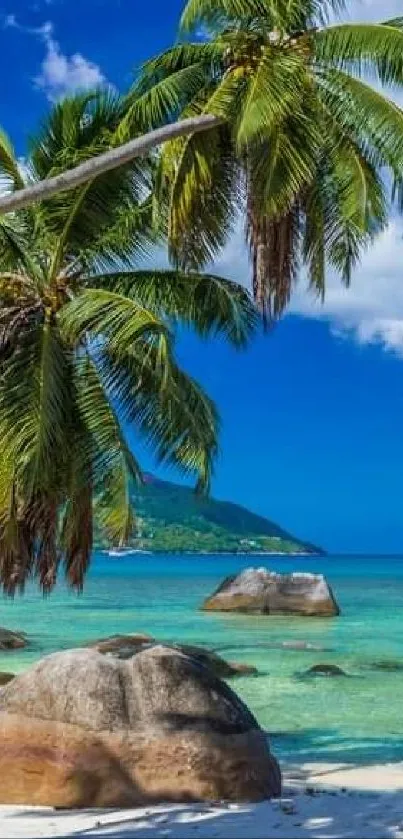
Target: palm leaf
[205, 199]
[163, 102]
[35, 398]
[10, 170]
[368, 118]
[363, 48]
[78, 129]
[108, 316]
[132, 235]
[175, 417]
[276, 91]
[209, 12]
[210, 304]
[114, 465]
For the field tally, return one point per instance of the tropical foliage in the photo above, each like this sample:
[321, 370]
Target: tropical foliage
[303, 145]
[86, 349]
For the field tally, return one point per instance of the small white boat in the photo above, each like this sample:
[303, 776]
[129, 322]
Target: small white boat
[120, 551]
[117, 552]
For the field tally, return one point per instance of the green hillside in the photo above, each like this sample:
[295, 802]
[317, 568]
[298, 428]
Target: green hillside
[173, 518]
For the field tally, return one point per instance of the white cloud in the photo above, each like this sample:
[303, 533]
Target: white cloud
[10, 22]
[61, 74]
[372, 308]
[373, 9]
[370, 311]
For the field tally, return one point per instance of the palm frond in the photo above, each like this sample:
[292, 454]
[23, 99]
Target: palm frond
[78, 129]
[227, 99]
[173, 414]
[132, 235]
[35, 398]
[35, 394]
[76, 537]
[174, 59]
[210, 304]
[275, 92]
[369, 119]
[114, 465]
[274, 246]
[285, 15]
[363, 48]
[163, 101]
[344, 209]
[10, 170]
[205, 199]
[110, 317]
[14, 243]
[209, 12]
[279, 169]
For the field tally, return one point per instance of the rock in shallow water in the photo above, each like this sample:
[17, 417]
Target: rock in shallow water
[325, 670]
[219, 666]
[257, 590]
[80, 729]
[387, 665]
[126, 646]
[123, 646]
[5, 678]
[11, 640]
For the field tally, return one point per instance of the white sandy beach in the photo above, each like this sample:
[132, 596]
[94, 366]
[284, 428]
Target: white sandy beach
[320, 801]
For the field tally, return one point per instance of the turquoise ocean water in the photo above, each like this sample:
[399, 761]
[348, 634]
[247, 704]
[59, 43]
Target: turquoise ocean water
[354, 719]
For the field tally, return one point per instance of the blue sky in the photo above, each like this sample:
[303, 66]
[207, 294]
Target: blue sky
[312, 415]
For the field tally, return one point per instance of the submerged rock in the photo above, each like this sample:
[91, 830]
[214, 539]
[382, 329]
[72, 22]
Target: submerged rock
[387, 665]
[12, 640]
[126, 646]
[257, 590]
[5, 678]
[122, 646]
[82, 730]
[302, 645]
[325, 670]
[219, 666]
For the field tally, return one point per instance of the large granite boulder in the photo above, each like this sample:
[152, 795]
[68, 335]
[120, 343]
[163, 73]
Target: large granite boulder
[257, 590]
[126, 646]
[80, 729]
[11, 640]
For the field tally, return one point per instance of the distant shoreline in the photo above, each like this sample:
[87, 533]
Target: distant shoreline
[140, 552]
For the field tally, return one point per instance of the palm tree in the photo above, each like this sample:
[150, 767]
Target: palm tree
[302, 147]
[118, 155]
[86, 347]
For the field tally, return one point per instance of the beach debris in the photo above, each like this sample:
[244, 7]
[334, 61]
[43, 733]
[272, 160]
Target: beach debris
[80, 729]
[259, 591]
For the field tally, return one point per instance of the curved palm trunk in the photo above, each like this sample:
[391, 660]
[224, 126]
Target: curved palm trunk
[106, 162]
